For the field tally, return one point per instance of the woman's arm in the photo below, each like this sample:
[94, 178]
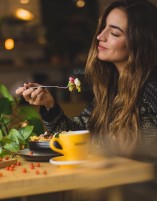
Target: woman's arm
[56, 121]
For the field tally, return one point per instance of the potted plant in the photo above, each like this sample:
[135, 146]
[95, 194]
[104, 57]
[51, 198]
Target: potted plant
[17, 123]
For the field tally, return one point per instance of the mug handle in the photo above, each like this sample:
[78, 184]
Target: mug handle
[52, 146]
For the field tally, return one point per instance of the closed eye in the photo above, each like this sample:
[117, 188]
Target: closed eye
[114, 34]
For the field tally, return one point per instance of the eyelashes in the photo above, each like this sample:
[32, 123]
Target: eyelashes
[116, 35]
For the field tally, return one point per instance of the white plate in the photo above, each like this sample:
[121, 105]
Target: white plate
[61, 161]
[91, 162]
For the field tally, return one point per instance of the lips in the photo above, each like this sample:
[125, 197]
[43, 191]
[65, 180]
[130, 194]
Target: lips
[101, 47]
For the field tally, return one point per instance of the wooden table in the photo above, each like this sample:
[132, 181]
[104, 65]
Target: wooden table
[118, 171]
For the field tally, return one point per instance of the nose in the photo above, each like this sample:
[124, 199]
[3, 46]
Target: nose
[102, 36]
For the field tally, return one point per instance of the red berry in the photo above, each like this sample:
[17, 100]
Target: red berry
[11, 168]
[6, 157]
[18, 163]
[13, 165]
[31, 166]
[7, 168]
[38, 165]
[37, 172]
[44, 172]
[1, 174]
[24, 170]
[1, 159]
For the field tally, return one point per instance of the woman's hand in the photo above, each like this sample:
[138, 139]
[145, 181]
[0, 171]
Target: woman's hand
[36, 96]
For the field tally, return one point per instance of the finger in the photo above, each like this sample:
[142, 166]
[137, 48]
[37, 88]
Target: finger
[31, 93]
[37, 95]
[32, 100]
[37, 100]
[27, 94]
[41, 95]
[37, 91]
[28, 85]
[20, 90]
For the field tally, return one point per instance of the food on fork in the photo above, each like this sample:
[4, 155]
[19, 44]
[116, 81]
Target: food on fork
[74, 83]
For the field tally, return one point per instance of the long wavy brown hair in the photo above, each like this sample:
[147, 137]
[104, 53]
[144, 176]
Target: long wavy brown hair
[115, 112]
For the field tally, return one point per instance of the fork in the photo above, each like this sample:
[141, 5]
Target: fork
[42, 86]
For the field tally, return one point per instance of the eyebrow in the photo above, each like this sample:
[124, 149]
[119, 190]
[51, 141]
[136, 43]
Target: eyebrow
[116, 27]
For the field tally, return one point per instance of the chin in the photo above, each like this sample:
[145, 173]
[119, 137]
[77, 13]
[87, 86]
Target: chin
[102, 57]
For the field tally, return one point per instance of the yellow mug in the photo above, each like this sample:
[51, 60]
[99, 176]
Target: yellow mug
[74, 144]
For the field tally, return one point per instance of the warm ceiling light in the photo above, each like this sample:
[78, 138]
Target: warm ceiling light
[80, 3]
[24, 1]
[9, 44]
[23, 14]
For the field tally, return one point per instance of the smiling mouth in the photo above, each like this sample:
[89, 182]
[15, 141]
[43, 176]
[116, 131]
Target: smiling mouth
[101, 47]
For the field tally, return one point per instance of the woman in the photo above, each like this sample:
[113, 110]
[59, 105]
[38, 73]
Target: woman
[122, 67]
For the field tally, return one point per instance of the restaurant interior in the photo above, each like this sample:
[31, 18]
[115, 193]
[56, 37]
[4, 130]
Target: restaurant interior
[47, 41]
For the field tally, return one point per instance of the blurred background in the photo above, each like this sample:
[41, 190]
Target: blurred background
[46, 41]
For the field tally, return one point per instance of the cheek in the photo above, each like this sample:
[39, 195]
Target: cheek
[121, 47]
